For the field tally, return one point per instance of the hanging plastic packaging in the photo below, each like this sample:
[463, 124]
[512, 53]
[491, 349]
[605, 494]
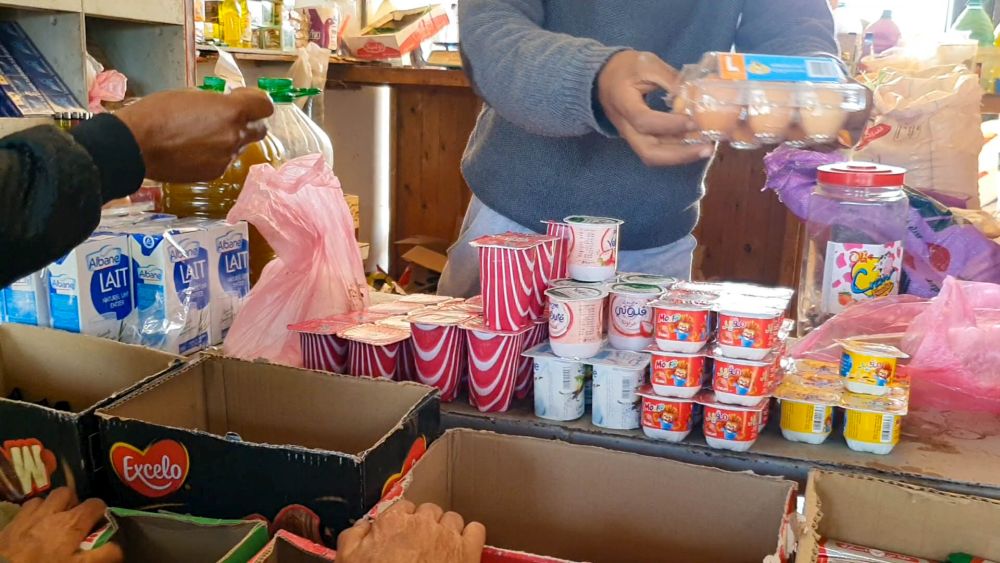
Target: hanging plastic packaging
[301, 212]
[298, 134]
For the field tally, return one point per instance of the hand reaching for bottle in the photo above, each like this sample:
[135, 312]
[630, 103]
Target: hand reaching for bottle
[191, 135]
[407, 534]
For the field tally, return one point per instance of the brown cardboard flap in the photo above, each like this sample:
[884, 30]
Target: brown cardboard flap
[277, 405]
[426, 258]
[80, 369]
[898, 517]
[589, 504]
[155, 540]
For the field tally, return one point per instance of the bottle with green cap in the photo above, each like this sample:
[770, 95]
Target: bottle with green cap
[976, 22]
[214, 199]
[298, 134]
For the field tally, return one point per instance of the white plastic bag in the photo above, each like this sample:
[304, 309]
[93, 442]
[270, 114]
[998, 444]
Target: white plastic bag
[300, 210]
[929, 123]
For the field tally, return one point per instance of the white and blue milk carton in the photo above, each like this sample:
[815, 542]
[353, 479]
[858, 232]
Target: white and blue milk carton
[229, 271]
[90, 289]
[26, 301]
[172, 293]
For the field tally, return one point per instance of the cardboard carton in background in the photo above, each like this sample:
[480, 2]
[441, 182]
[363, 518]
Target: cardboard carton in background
[393, 36]
[581, 503]
[893, 516]
[289, 548]
[40, 447]
[168, 538]
[227, 438]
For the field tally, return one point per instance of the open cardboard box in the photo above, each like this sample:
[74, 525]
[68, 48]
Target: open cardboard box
[394, 35]
[289, 548]
[898, 517]
[581, 503]
[168, 538]
[41, 447]
[227, 438]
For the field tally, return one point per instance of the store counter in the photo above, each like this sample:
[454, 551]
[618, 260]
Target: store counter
[954, 452]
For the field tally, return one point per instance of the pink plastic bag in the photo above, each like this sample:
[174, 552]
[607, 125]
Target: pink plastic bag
[109, 86]
[952, 341]
[300, 210]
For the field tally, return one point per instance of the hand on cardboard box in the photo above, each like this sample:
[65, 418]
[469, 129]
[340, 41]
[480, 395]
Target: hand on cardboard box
[656, 137]
[51, 530]
[407, 534]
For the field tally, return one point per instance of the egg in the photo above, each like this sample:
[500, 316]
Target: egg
[771, 113]
[742, 137]
[717, 109]
[796, 137]
[822, 124]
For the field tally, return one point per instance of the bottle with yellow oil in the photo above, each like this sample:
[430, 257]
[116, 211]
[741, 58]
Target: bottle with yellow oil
[215, 198]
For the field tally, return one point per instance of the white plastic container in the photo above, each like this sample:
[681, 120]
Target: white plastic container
[618, 375]
[630, 317]
[593, 252]
[559, 387]
[662, 282]
[576, 321]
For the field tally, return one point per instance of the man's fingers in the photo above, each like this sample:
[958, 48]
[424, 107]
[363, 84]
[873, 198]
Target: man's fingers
[429, 510]
[255, 131]
[648, 121]
[453, 521]
[87, 515]
[402, 507]
[351, 538]
[655, 152]
[108, 553]
[655, 74]
[58, 500]
[254, 104]
[473, 541]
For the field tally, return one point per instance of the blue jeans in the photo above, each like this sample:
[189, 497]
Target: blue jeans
[461, 276]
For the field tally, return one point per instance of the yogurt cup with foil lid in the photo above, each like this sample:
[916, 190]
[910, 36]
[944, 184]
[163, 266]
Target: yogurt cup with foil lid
[872, 424]
[741, 382]
[397, 321]
[663, 282]
[375, 335]
[439, 317]
[426, 299]
[439, 349]
[374, 350]
[558, 384]
[746, 329]
[869, 367]
[665, 418]
[593, 247]
[398, 307]
[630, 317]
[576, 321]
[730, 427]
[681, 326]
[675, 374]
[567, 282]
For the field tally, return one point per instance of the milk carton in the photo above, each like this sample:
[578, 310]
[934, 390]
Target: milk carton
[26, 301]
[172, 291]
[229, 274]
[90, 289]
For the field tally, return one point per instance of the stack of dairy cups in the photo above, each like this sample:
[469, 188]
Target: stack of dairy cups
[730, 334]
[866, 385]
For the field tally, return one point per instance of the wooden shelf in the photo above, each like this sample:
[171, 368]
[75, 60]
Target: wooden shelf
[46, 5]
[263, 55]
[144, 11]
[341, 74]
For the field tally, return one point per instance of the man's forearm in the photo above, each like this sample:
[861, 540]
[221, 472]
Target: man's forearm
[52, 187]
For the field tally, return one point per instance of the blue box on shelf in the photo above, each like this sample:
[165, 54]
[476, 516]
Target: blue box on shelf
[38, 70]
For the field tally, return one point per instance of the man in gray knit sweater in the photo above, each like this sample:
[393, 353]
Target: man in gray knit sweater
[567, 130]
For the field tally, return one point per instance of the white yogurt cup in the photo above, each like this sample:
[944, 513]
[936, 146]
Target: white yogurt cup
[593, 250]
[616, 403]
[663, 282]
[559, 389]
[576, 321]
[630, 317]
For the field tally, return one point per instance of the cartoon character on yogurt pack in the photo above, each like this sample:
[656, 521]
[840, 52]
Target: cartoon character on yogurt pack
[680, 376]
[882, 376]
[668, 418]
[743, 384]
[731, 430]
[871, 275]
[682, 331]
[748, 337]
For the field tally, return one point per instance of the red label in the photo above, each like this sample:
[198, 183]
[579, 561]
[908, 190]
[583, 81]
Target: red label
[731, 424]
[155, 472]
[740, 379]
[682, 326]
[417, 451]
[666, 415]
[748, 332]
[33, 465]
[678, 371]
[873, 133]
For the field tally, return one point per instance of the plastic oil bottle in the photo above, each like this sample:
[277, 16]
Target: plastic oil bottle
[231, 21]
[215, 198]
[299, 135]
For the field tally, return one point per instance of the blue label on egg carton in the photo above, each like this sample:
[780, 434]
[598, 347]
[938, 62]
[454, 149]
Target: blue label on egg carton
[774, 68]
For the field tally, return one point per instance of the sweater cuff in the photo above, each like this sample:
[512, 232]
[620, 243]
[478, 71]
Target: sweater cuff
[580, 86]
[115, 152]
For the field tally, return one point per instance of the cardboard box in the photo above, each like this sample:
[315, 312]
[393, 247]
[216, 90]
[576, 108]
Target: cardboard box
[155, 538]
[227, 438]
[426, 258]
[899, 517]
[289, 548]
[398, 33]
[582, 503]
[45, 448]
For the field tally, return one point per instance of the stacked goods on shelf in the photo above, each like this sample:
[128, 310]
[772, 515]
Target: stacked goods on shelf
[867, 386]
[31, 86]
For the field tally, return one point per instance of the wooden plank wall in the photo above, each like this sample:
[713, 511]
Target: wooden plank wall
[430, 196]
[744, 234]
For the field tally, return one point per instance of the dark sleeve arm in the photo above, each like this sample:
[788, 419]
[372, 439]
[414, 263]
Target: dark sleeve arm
[787, 27]
[52, 187]
[537, 79]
